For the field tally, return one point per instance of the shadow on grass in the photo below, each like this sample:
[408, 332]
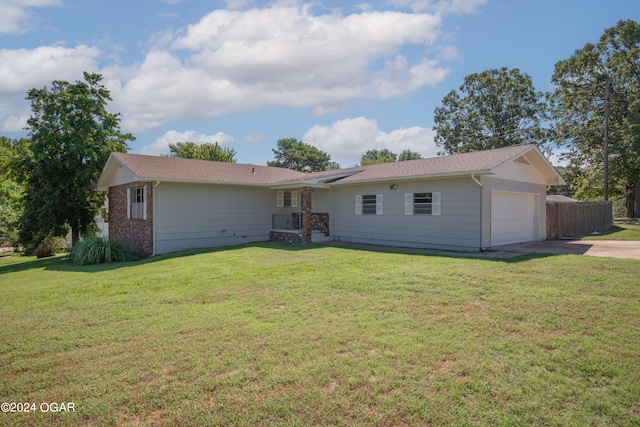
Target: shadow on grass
[62, 263]
[495, 256]
[622, 231]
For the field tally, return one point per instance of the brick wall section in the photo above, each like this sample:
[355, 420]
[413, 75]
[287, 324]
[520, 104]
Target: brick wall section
[319, 221]
[137, 234]
[306, 214]
[285, 236]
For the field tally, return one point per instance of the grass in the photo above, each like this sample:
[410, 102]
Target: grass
[275, 334]
[620, 231]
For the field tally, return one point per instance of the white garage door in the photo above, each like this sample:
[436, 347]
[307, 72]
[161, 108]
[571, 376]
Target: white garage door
[513, 217]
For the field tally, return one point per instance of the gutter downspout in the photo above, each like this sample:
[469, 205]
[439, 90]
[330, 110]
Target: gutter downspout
[473, 177]
[153, 224]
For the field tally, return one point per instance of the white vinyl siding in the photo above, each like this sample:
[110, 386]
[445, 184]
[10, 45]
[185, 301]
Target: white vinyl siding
[422, 203]
[287, 198]
[369, 204]
[196, 216]
[456, 228]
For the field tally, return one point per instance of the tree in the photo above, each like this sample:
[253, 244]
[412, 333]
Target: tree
[11, 191]
[408, 155]
[373, 157]
[297, 155]
[72, 135]
[206, 151]
[495, 108]
[595, 79]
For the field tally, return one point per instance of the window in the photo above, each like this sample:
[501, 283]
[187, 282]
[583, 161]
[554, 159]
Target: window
[422, 204]
[369, 204]
[137, 205]
[287, 198]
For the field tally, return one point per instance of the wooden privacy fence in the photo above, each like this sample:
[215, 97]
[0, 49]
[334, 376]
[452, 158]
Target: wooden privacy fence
[573, 219]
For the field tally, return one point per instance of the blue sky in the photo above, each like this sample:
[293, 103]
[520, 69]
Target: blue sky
[343, 76]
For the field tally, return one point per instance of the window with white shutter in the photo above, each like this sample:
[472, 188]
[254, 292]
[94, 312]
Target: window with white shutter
[280, 198]
[286, 198]
[369, 204]
[422, 204]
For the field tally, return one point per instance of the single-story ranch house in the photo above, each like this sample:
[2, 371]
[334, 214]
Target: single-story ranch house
[464, 202]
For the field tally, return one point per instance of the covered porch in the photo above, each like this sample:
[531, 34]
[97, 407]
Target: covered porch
[300, 225]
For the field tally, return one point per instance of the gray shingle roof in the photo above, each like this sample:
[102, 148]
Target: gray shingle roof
[178, 169]
[188, 170]
[459, 164]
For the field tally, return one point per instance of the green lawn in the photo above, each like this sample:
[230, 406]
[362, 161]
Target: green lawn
[620, 231]
[275, 334]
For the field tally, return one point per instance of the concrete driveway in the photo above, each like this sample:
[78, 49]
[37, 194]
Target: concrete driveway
[600, 248]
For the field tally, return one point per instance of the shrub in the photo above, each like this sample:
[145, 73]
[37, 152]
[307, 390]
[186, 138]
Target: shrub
[96, 250]
[50, 246]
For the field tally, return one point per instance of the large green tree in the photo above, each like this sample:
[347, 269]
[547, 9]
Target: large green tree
[374, 157]
[493, 109]
[600, 78]
[297, 155]
[409, 155]
[206, 151]
[11, 191]
[72, 135]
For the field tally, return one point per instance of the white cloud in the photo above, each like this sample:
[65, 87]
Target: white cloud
[347, 140]
[255, 138]
[440, 6]
[161, 145]
[279, 56]
[238, 4]
[465, 6]
[16, 14]
[25, 69]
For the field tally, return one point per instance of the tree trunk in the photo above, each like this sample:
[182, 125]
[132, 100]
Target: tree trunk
[75, 236]
[630, 199]
[637, 200]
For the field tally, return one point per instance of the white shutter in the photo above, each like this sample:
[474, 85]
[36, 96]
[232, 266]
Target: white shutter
[435, 204]
[144, 202]
[358, 204]
[128, 203]
[378, 204]
[280, 198]
[294, 199]
[408, 203]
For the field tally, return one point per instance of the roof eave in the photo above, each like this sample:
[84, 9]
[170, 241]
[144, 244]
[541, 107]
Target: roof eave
[417, 177]
[100, 184]
[193, 181]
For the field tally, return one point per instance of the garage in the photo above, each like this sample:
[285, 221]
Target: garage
[514, 217]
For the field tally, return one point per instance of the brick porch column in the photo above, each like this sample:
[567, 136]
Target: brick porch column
[306, 215]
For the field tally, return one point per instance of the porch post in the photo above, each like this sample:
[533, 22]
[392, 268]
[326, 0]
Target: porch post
[306, 215]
